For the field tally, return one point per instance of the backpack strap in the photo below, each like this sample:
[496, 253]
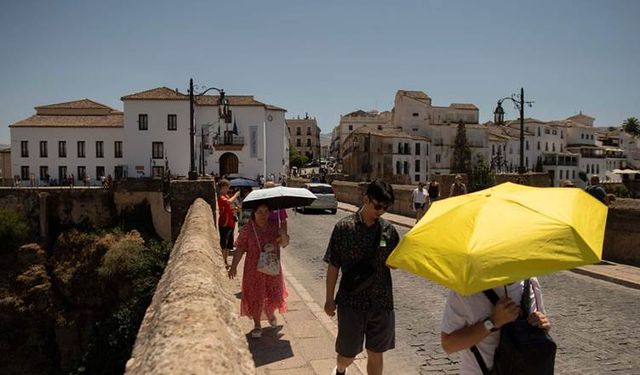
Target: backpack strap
[480, 360]
[491, 295]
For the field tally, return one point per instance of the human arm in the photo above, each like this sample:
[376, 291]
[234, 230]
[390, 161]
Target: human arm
[237, 256]
[234, 197]
[503, 312]
[332, 278]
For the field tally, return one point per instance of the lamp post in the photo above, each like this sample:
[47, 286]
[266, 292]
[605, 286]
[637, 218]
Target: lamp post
[498, 114]
[223, 112]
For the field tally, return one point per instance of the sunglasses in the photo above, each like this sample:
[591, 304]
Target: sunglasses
[378, 206]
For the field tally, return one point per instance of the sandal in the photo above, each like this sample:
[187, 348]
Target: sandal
[273, 322]
[256, 333]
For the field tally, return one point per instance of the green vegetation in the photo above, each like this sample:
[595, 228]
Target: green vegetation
[297, 160]
[461, 151]
[481, 176]
[14, 230]
[631, 126]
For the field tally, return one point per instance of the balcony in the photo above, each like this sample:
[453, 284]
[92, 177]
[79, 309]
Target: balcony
[229, 142]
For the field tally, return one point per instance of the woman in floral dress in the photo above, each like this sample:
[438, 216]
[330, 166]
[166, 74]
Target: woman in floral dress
[262, 294]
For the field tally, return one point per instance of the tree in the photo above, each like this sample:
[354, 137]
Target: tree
[631, 126]
[461, 151]
[296, 159]
[14, 230]
[482, 176]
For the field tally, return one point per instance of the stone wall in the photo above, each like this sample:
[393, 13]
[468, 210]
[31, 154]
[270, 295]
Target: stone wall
[192, 325]
[183, 194]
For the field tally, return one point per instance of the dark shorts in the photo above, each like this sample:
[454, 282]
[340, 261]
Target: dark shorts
[419, 206]
[377, 326]
[226, 237]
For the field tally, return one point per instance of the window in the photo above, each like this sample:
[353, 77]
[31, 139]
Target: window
[592, 137]
[415, 114]
[417, 166]
[299, 131]
[99, 172]
[417, 148]
[561, 134]
[597, 168]
[438, 158]
[157, 171]
[350, 127]
[561, 174]
[82, 173]
[43, 149]
[416, 178]
[157, 150]
[99, 149]
[527, 161]
[554, 132]
[143, 122]
[427, 149]
[24, 172]
[538, 145]
[538, 132]
[406, 149]
[62, 149]
[117, 149]
[308, 142]
[24, 149]
[546, 131]
[573, 174]
[581, 136]
[406, 167]
[553, 147]
[62, 173]
[81, 149]
[561, 148]
[398, 167]
[308, 131]
[527, 145]
[546, 146]
[379, 127]
[493, 149]
[588, 170]
[44, 173]
[172, 122]
[298, 142]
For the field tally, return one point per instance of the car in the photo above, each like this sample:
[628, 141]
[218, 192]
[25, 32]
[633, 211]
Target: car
[326, 197]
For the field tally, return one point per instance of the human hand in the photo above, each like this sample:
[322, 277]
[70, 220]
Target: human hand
[505, 311]
[283, 240]
[540, 320]
[233, 271]
[330, 307]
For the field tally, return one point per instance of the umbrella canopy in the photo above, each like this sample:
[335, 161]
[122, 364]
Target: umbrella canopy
[504, 234]
[243, 182]
[278, 197]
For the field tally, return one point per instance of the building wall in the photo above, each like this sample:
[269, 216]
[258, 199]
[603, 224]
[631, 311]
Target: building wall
[138, 145]
[5, 166]
[71, 161]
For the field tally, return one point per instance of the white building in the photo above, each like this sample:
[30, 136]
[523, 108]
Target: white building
[81, 138]
[150, 138]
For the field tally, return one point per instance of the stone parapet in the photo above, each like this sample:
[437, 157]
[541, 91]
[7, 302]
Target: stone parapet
[192, 325]
[183, 194]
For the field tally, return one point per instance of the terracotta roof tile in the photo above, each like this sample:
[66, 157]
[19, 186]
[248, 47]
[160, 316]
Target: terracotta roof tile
[76, 104]
[113, 120]
[463, 106]
[159, 93]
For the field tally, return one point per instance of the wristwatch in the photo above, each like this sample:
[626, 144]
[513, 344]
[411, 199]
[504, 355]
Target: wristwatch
[489, 325]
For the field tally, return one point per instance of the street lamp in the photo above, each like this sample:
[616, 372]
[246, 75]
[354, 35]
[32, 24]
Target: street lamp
[498, 114]
[223, 112]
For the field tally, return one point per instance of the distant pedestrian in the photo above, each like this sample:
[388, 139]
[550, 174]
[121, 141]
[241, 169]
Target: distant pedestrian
[458, 187]
[226, 219]
[262, 292]
[596, 190]
[434, 190]
[72, 180]
[567, 183]
[359, 247]
[419, 201]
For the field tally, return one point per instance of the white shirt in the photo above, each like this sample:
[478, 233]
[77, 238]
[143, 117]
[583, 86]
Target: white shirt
[419, 195]
[462, 311]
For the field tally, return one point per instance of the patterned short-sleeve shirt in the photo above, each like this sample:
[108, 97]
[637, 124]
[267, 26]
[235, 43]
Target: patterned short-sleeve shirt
[351, 241]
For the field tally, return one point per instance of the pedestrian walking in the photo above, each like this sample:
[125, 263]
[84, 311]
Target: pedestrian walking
[596, 190]
[263, 290]
[359, 247]
[420, 201]
[226, 219]
[280, 217]
[458, 187]
[471, 324]
[434, 190]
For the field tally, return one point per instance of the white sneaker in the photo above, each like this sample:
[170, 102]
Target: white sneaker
[256, 333]
[273, 322]
[335, 371]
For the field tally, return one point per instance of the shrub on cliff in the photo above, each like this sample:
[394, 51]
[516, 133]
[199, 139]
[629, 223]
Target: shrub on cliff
[124, 257]
[14, 230]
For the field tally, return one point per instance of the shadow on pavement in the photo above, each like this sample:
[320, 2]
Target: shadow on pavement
[269, 348]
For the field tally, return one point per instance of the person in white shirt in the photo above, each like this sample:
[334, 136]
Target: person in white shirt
[420, 201]
[474, 320]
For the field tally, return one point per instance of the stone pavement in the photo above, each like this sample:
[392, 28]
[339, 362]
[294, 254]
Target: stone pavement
[622, 274]
[304, 341]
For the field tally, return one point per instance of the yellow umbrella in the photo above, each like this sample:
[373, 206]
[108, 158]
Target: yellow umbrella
[507, 233]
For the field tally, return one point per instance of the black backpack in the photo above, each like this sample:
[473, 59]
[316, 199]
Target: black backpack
[523, 349]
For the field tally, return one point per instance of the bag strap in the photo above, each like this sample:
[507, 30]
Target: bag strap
[480, 360]
[525, 301]
[491, 295]
[253, 225]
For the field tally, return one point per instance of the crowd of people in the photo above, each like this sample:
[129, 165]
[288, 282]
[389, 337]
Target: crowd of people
[358, 248]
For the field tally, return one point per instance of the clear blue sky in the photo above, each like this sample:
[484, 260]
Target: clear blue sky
[327, 57]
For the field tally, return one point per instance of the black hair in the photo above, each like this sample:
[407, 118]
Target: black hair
[380, 191]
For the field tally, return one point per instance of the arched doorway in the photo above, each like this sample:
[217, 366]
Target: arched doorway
[228, 164]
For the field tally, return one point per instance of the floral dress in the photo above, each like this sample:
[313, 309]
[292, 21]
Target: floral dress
[262, 294]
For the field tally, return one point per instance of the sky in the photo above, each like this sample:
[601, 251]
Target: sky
[327, 58]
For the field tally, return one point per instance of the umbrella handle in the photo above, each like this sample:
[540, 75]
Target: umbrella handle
[505, 291]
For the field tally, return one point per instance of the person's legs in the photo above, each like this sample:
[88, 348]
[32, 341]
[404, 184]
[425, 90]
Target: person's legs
[351, 328]
[343, 362]
[374, 363]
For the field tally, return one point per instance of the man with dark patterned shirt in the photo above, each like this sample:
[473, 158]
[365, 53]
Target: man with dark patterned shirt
[365, 311]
